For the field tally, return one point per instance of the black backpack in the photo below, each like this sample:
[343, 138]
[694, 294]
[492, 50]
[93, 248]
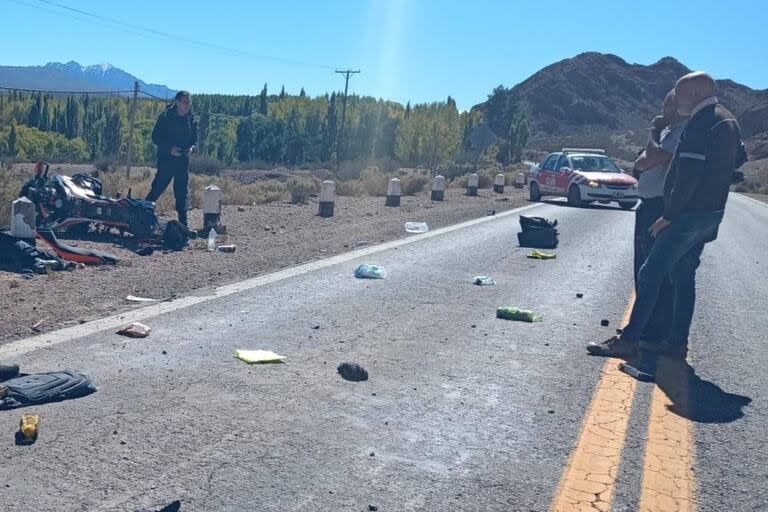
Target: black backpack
[538, 232]
[42, 388]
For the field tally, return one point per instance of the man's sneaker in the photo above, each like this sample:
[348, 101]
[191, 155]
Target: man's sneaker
[613, 347]
[665, 348]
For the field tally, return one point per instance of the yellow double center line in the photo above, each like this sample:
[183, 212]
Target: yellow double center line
[589, 479]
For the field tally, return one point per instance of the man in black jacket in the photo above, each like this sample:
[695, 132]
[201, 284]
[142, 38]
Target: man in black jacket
[695, 192]
[175, 135]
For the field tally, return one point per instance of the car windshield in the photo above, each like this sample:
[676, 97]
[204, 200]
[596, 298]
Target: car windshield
[593, 163]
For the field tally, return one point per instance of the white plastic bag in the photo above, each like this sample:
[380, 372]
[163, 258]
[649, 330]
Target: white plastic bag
[416, 227]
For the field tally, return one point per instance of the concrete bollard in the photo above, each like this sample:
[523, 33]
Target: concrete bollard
[499, 182]
[472, 182]
[520, 180]
[327, 198]
[438, 188]
[212, 208]
[23, 218]
[394, 191]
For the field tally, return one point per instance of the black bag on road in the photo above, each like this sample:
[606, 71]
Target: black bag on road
[42, 388]
[538, 232]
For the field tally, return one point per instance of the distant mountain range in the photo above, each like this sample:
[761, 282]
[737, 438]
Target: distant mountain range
[74, 77]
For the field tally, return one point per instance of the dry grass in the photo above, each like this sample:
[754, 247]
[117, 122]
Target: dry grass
[234, 192]
[373, 182]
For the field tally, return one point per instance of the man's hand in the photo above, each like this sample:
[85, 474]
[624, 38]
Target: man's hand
[175, 151]
[658, 226]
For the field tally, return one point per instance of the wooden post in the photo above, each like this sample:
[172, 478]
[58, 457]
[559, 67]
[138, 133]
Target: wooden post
[472, 182]
[498, 184]
[394, 191]
[438, 188]
[132, 118]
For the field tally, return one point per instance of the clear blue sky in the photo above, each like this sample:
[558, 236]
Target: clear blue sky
[417, 50]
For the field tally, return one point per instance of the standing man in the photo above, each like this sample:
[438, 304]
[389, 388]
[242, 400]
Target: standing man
[175, 136]
[695, 192]
[652, 166]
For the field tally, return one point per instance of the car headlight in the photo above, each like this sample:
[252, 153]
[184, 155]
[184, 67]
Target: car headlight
[593, 184]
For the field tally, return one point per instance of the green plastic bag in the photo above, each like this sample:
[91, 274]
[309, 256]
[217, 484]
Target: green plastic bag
[521, 315]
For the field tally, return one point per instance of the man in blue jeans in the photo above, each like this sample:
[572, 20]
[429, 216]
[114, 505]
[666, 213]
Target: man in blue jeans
[695, 192]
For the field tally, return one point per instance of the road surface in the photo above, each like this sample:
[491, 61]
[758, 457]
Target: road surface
[462, 411]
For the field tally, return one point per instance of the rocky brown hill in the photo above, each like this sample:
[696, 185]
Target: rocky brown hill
[595, 93]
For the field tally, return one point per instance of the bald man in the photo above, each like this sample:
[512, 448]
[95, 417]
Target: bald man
[695, 192]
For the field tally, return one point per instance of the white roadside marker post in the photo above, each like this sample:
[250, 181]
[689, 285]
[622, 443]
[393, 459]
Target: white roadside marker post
[394, 191]
[438, 188]
[498, 184]
[23, 218]
[211, 208]
[472, 182]
[327, 199]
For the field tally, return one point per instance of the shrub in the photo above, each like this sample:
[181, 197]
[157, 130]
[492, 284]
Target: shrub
[301, 190]
[414, 183]
[106, 163]
[204, 164]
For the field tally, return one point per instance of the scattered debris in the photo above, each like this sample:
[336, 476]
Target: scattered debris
[641, 374]
[416, 227]
[174, 506]
[36, 327]
[28, 427]
[538, 255]
[133, 298]
[227, 248]
[361, 243]
[135, 330]
[483, 281]
[373, 508]
[352, 372]
[605, 323]
[473, 326]
[491, 213]
[258, 356]
[240, 209]
[579, 295]
[521, 315]
[366, 271]
[316, 327]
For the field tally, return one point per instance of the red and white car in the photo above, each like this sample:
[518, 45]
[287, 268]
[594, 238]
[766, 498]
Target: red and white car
[583, 176]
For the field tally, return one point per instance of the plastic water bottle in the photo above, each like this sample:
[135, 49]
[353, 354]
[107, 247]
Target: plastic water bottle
[212, 240]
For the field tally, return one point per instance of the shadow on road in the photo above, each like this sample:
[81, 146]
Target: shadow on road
[563, 204]
[695, 398]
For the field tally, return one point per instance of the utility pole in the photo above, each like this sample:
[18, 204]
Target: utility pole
[130, 131]
[347, 73]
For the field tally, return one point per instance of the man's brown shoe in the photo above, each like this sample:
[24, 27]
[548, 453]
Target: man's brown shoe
[613, 347]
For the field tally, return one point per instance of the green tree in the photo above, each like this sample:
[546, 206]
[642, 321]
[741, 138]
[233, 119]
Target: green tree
[282, 93]
[302, 94]
[12, 139]
[263, 105]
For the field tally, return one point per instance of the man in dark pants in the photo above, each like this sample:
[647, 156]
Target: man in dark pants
[695, 193]
[175, 135]
[652, 166]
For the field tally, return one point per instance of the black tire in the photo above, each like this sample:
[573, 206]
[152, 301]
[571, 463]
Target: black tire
[574, 196]
[534, 192]
[627, 205]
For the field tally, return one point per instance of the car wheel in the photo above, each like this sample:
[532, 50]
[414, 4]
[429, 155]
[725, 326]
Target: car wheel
[574, 196]
[534, 192]
[627, 205]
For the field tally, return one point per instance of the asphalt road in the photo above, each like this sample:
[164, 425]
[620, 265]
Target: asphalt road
[461, 412]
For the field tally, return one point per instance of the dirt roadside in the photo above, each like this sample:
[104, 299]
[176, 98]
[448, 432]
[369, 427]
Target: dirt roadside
[268, 237]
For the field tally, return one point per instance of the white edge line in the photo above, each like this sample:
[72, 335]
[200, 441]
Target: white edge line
[52, 338]
[752, 199]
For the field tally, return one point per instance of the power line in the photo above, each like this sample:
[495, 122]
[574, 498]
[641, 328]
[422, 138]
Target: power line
[22, 89]
[79, 13]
